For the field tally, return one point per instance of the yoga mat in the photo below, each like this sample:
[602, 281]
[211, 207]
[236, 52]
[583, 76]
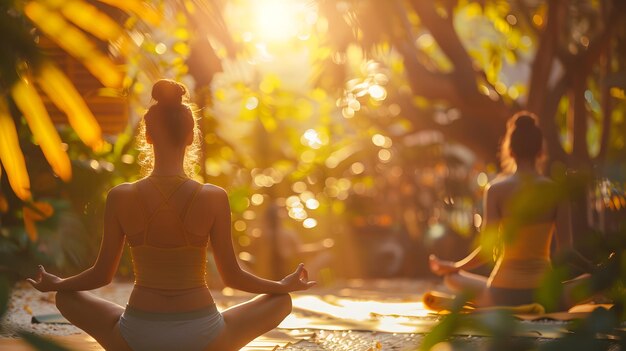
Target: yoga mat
[576, 312]
[442, 302]
[78, 342]
[53, 318]
[334, 313]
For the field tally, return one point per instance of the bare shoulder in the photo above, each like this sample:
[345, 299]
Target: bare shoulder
[499, 184]
[121, 199]
[212, 192]
[120, 192]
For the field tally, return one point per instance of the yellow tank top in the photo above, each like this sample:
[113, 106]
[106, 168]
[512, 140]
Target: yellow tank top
[524, 259]
[171, 268]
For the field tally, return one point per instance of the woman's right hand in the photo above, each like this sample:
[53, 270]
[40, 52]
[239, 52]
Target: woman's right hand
[441, 267]
[298, 280]
[44, 281]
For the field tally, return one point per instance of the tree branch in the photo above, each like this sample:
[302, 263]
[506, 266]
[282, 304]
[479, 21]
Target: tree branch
[599, 44]
[438, 86]
[465, 87]
[523, 9]
[449, 42]
[464, 130]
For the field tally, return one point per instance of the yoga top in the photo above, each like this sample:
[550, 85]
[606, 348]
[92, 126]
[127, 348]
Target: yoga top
[525, 258]
[172, 267]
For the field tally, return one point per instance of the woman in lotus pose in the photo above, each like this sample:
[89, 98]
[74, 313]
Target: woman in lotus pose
[517, 209]
[169, 221]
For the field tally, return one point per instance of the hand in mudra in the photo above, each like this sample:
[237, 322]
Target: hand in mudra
[441, 267]
[44, 281]
[298, 280]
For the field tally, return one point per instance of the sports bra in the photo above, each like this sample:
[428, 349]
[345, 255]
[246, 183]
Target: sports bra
[169, 268]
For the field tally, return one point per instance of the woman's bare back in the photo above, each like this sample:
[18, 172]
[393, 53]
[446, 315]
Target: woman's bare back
[508, 193]
[152, 212]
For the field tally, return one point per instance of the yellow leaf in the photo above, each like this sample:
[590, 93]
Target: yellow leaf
[92, 20]
[28, 101]
[65, 96]
[11, 155]
[182, 49]
[74, 42]
[268, 122]
[88, 17]
[473, 10]
[4, 205]
[140, 8]
[39, 210]
[108, 74]
[29, 226]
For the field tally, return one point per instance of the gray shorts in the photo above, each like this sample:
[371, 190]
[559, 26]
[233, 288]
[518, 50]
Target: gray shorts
[190, 331]
[510, 297]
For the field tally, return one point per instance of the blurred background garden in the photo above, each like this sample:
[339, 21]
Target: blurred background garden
[354, 135]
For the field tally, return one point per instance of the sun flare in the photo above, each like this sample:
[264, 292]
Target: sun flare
[277, 20]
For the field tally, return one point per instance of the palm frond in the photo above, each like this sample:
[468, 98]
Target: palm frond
[75, 42]
[29, 102]
[142, 9]
[65, 96]
[89, 18]
[11, 155]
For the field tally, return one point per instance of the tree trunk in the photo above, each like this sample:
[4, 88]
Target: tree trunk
[577, 121]
[548, 125]
[545, 56]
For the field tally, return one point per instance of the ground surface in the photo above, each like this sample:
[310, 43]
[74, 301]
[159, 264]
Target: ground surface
[356, 300]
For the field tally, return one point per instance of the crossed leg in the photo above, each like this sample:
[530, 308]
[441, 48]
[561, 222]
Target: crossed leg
[463, 281]
[246, 321]
[575, 291]
[243, 323]
[97, 317]
[578, 290]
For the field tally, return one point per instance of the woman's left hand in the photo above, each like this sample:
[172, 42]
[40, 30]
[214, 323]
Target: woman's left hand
[44, 281]
[441, 267]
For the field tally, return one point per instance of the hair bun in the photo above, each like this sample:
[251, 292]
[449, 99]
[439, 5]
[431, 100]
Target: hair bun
[168, 92]
[525, 122]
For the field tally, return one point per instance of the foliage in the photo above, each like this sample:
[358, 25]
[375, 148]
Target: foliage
[476, 62]
[96, 35]
[354, 119]
[54, 230]
[24, 65]
[273, 138]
